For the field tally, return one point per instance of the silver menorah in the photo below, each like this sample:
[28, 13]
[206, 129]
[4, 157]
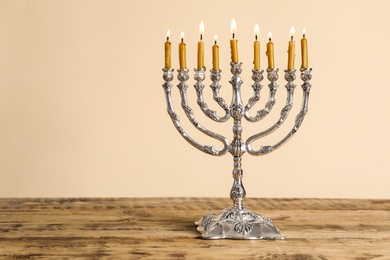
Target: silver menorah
[237, 222]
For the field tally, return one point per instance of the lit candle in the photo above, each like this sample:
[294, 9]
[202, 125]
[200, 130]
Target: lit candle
[215, 54]
[201, 46]
[168, 51]
[233, 42]
[182, 52]
[305, 63]
[270, 52]
[291, 50]
[256, 46]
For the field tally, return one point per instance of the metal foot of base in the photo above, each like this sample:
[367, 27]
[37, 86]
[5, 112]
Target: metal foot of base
[233, 223]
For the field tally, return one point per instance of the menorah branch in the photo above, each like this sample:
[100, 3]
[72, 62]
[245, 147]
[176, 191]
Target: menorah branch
[290, 77]
[290, 86]
[168, 77]
[272, 75]
[215, 77]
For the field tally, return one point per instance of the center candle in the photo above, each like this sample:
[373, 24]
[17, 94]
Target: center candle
[233, 42]
[201, 46]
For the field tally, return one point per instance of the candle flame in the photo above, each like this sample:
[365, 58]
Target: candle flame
[168, 34]
[215, 38]
[233, 27]
[292, 32]
[182, 36]
[201, 30]
[304, 31]
[269, 36]
[256, 31]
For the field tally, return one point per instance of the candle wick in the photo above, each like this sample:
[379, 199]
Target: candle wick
[269, 39]
[167, 38]
[233, 35]
[201, 37]
[215, 42]
[256, 37]
[292, 37]
[182, 40]
[304, 35]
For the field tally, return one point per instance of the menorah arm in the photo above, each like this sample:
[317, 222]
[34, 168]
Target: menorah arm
[215, 77]
[168, 76]
[257, 76]
[305, 76]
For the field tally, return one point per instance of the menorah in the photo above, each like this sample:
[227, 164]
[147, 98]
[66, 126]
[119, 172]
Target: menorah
[237, 222]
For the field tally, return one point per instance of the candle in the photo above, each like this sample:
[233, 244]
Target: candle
[168, 51]
[256, 47]
[215, 54]
[201, 46]
[305, 63]
[233, 42]
[291, 50]
[182, 52]
[270, 52]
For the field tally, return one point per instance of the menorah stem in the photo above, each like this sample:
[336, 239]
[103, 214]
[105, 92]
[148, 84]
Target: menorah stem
[237, 147]
[237, 193]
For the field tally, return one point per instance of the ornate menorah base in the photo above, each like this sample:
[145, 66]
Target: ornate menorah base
[234, 223]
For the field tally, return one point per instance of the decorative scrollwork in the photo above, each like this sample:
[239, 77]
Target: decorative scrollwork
[237, 110]
[210, 150]
[215, 75]
[167, 74]
[243, 227]
[227, 214]
[235, 68]
[206, 219]
[306, 74]
[266, 149]
[289, 75]
[258, 77]
[173, 115]
[183, 75]
[199, 77]
[237, 192]
[286, 110]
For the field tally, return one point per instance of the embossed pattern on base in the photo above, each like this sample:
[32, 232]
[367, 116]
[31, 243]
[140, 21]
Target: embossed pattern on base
[234, 223]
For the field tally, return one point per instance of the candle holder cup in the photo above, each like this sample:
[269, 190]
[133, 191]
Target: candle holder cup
[237, 222]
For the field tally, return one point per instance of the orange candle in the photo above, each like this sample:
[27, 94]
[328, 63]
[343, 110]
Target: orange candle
[291, 50]
[233, 42]
[304, 52]
[168, 51]
[215, 54]
[270, 52]
[256, 47]
[182, 52]
[201, 46]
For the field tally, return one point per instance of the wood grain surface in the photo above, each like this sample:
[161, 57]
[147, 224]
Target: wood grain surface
[163, 228]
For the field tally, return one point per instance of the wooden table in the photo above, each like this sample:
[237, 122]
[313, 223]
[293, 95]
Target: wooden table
[158, 228]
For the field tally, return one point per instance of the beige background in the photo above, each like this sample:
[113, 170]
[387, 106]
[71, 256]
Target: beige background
[82, 110]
